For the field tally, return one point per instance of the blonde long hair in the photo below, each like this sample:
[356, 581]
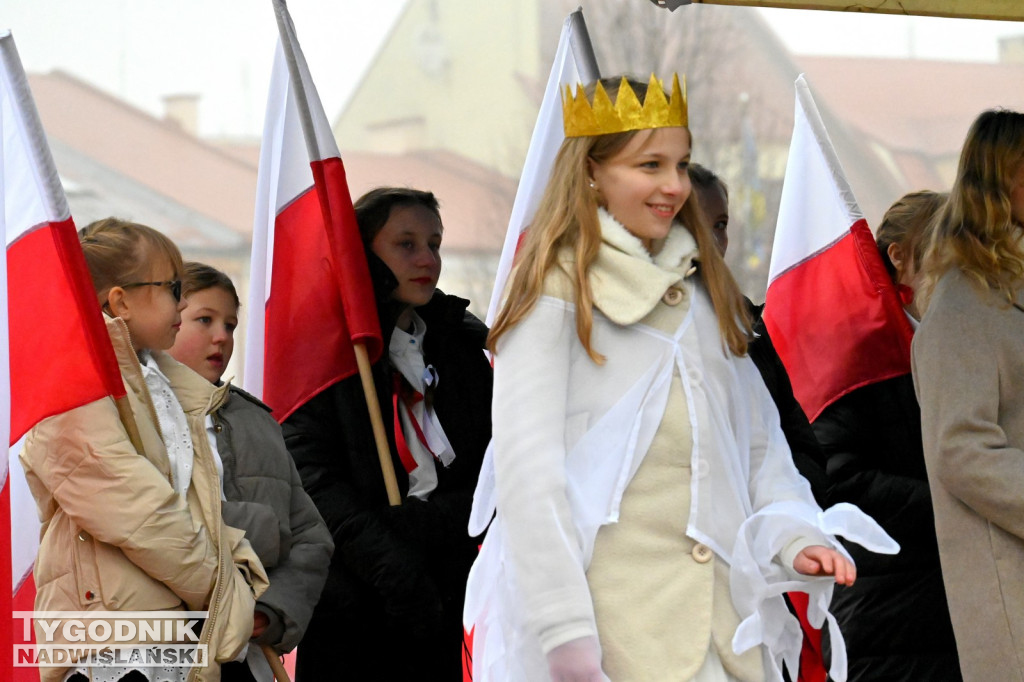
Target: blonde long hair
[975, 230]
[567, 219]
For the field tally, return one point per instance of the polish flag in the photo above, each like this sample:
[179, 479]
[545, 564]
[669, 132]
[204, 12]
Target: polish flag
[831, 309]
[309, 274]
[57, 354]
[574, 63]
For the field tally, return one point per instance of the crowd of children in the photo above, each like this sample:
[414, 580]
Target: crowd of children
[616, 500]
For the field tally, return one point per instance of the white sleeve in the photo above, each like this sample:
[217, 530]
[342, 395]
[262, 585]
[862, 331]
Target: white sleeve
[531, 384]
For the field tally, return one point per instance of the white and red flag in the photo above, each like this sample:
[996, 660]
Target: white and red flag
[56, 354]
[831, 309]
[309, 275]
[574, 63]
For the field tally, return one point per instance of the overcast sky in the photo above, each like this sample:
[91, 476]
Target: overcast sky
[141, 50]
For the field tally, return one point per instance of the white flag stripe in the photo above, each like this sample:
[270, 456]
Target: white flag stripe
[817, 205]
[318, 138]
[548, 134]
[33, 195]
[8, 142]
[284, 175]
[24, 520]
[269, 192]
[286, 155]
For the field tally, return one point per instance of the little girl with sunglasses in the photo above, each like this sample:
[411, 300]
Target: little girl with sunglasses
[131, 512]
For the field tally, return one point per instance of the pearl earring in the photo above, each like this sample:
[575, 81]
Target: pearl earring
[593, 185]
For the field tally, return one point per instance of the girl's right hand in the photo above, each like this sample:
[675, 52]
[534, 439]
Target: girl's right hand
[817, 560]
[578, 660]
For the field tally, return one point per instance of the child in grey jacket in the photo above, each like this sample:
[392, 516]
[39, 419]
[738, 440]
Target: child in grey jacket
[262, 490]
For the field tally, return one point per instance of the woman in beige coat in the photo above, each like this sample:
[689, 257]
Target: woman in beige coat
[968, 365]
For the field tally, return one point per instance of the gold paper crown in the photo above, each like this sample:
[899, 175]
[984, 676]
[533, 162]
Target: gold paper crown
[582, 119]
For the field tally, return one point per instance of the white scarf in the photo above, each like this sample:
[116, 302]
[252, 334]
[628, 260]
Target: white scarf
[406, 352]
[173, 426]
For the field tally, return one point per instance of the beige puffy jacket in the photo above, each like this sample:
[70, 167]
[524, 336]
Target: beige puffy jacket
[115, 534]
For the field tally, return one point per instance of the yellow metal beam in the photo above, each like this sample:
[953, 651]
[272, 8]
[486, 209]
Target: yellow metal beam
[1009, 10]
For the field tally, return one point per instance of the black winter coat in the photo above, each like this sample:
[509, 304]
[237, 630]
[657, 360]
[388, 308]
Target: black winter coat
[894, 618]
[392, 606]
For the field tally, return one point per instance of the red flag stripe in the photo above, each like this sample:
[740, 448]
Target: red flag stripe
[60, 354]
[317, 296]
[306, 339]
[832, 310]
[349, 256]
[812, 661]
[834, 325]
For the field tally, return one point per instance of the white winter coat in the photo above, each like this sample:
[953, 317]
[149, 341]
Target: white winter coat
[569, 434]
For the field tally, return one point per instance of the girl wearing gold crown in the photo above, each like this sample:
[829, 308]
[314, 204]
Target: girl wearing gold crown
[649, 516]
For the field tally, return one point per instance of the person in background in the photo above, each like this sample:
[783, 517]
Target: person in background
[264, 495]
[712, 195]
[968, 367]
[895, 620]
[392, 606]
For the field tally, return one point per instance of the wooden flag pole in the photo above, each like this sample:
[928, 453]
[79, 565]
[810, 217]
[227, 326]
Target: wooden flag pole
[280, 674]
[288, 45]
[380, 436]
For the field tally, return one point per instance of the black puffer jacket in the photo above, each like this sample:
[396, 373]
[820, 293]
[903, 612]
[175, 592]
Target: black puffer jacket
[392, 606]
[894, 618]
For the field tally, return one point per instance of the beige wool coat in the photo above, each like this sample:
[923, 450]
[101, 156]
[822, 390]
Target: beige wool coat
[116, 536]
[968, 364]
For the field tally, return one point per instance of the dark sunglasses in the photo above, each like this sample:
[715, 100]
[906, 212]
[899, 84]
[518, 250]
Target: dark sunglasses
[175, 286]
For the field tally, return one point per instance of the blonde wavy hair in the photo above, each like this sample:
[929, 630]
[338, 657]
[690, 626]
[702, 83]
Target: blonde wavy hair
[975, 230]
[567, 219]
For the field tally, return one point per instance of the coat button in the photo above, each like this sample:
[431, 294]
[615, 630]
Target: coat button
[218, 428]
[701, 553]
[82, 536]
[673, 296]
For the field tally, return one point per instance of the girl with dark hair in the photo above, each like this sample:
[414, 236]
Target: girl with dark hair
[262, 491]
[392, 605]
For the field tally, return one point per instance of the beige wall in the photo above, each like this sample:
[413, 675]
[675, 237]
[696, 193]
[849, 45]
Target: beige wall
[452, 75]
